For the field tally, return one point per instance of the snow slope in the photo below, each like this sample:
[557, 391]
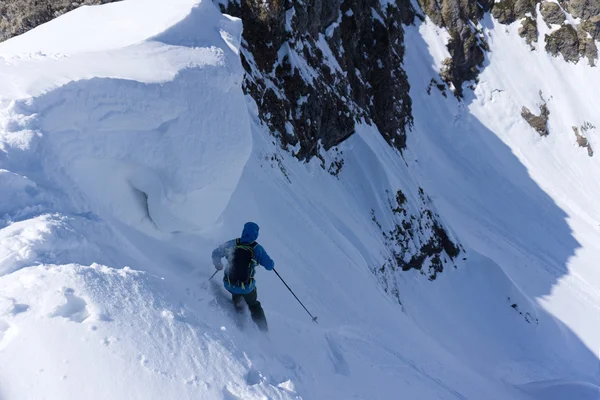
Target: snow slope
[125, 159]
[525, 201]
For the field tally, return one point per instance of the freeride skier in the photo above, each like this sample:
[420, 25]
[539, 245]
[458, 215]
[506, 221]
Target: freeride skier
[243, 255]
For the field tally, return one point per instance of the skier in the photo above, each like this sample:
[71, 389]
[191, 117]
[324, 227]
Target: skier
[243, 255]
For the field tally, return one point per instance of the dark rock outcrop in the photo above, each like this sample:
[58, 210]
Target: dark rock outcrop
[417, 241]
[588, 33]
[587, 47]
[572, 44]
[467, 49]
[583, 142]
[467, 46]
[528, 30]
[584, 9]
[537, 122]
[564, 41]
[316, 69]
[552, 13]
[19, 16]
[588, 30]
[509, 11]
[592, 26]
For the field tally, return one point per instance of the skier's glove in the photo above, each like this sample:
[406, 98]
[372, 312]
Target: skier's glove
[218, 266]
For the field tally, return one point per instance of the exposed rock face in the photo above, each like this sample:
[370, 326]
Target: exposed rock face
[528, 30]
[537, 122]
[416, 241]
[587, 46]
[509, 11]
[572, 44]
[466, 46]
[552, 13]
[584, 9]
[565, 42]
[587, 32]
[19, 16]
[467, 50]
[315, 69]
[439, 86]
[592, 26]
[582, 141]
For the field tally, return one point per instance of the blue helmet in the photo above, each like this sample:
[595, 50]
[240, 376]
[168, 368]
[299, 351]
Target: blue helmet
[250, 232]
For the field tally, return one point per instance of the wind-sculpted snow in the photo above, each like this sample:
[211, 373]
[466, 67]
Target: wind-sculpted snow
[144, 153]
[112, 26]
[125, 162]
[123, 326]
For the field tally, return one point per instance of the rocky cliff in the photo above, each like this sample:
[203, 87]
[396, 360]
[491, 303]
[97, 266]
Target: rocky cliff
[316, 68]
[574, 24]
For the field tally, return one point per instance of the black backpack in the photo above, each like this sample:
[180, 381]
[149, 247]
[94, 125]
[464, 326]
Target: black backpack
[241, 263]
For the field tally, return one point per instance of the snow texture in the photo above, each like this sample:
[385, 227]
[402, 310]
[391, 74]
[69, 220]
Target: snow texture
[128, 151]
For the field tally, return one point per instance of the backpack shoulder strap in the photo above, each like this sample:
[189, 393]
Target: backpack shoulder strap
[238, 242]
[253, 247]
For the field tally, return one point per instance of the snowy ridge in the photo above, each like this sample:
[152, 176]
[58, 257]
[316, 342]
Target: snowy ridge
[137, 124]
[120, 145]
[117, 181]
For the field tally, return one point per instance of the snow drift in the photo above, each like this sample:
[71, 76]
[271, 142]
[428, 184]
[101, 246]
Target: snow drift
[143, 133]
[128, 151]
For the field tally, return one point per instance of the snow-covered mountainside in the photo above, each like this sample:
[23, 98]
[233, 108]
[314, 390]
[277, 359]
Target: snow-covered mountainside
[448, 252]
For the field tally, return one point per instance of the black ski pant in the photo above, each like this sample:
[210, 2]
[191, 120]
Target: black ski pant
[256, 310]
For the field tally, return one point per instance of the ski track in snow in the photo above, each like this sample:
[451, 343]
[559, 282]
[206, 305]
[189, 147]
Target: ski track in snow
[117, 180]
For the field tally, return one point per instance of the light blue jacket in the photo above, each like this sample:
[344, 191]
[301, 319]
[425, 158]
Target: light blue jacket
[249, 235]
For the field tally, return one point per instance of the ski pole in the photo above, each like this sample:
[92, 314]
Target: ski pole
[213, 275]
[286, 285]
